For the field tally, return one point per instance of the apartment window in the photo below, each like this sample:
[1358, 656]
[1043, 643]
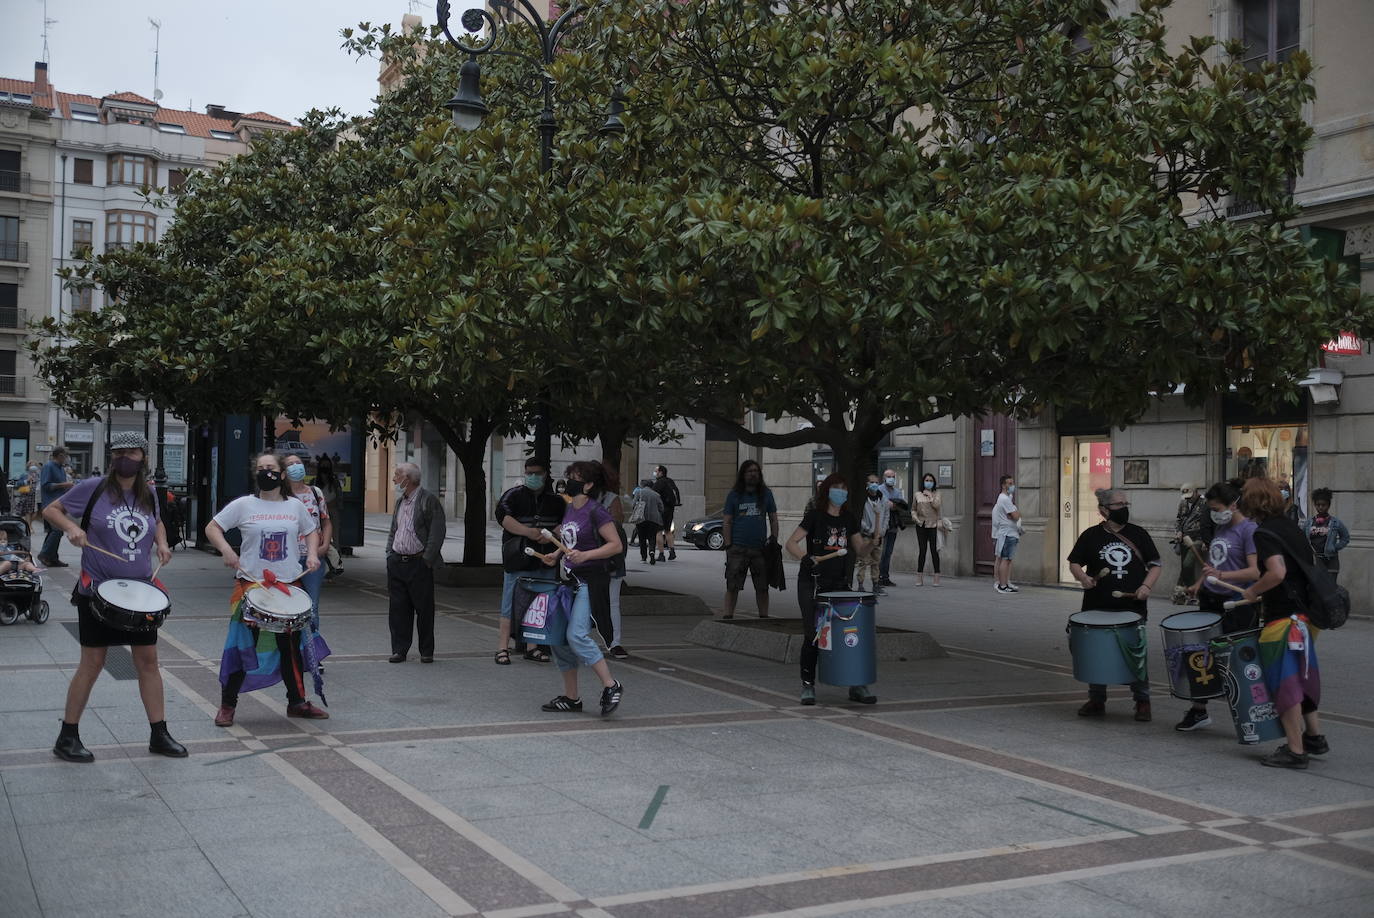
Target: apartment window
[9, 306]
[1269, 29]
[83, 172]
[129, 169]
[10, 178]
[83, 235]
[124, 228]
[167, 127]
[10, 246]
[175, 179]
[224, 135]
[9, 383]
[83, 299]
[82, 112]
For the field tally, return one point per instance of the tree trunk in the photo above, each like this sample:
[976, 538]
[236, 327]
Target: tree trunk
[612, 450]
[471, 451]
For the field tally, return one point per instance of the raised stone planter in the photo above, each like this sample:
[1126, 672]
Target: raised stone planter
[781, 639]
[634, 600]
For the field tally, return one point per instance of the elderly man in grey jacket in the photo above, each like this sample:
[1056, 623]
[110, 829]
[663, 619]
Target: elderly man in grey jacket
[417, 535]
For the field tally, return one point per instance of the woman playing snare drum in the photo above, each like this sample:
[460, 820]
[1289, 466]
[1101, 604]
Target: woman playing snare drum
[118, 514]
[271, 525]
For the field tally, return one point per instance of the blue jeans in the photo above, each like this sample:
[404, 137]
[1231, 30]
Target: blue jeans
[889, 543]
[51, 541]
[311, 583]
[581, 648]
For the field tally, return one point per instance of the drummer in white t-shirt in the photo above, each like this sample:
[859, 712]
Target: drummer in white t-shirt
[271, 526]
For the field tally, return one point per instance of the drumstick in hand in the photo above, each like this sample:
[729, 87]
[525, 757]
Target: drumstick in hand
[104, 552]
[1217, 581]
[837, 553]
[1103, 573]
[1192, 546]
[534, 554]
[553, 538]
[1228, 606]
[1117, 594]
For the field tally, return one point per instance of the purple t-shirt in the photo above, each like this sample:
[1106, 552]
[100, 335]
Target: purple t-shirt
[1231, 545]
[579, 530]
[119, 526]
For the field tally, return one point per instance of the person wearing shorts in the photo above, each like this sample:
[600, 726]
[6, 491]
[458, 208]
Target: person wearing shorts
[749, 503]
[1006, 533]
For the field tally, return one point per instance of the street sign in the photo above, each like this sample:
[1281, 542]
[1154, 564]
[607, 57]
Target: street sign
[1345, 344]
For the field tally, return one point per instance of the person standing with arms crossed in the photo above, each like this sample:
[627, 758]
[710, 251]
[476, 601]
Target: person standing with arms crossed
[413, 547]
[743, 528]
[667, 490]
[1006, 534]
[898, 508]
[53, 482]
[928, 529]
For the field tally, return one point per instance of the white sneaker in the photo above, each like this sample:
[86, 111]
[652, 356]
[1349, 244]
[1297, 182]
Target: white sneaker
[1010, 588]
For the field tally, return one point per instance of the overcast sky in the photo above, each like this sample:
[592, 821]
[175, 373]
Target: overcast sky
[276, 56]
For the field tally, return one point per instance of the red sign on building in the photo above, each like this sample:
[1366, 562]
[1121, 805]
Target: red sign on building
[1345, 344]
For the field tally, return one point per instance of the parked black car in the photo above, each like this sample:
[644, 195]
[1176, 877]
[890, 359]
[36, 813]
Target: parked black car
[706, 533]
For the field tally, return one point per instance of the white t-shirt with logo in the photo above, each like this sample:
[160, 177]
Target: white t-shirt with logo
[1002, 523]
[271, 531]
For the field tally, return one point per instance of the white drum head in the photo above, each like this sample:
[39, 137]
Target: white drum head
[1104, 618]
[273, 600]
[133, 596]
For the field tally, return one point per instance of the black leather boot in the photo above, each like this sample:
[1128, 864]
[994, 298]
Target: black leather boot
[160, 742]
[70, 748]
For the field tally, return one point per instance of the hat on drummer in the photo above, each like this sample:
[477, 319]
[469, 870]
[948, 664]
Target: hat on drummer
[129, 439]
[1187, 489]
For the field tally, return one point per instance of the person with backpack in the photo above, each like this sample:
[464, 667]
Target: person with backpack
[1327, 534]
[1286, 589]
[647, 518]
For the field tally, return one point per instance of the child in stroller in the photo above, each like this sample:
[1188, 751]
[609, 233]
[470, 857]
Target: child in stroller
[21, 587]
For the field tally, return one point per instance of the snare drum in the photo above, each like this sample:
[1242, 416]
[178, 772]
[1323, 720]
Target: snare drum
[1108, 646]
[1193, 674]
[269, 609]
[130, 605]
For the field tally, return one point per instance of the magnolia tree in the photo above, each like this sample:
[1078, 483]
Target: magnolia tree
[894, 210]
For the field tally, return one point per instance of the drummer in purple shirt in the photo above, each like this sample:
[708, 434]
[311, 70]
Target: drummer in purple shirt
[115, 521]
[1231, 557]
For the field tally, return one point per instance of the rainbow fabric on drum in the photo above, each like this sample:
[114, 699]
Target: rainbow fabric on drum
[260, 660]
[1288, 652]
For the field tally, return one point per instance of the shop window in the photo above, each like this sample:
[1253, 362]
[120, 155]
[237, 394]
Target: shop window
[1276, 451]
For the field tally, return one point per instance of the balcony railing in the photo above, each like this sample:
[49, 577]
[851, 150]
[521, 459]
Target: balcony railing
[14, 182]
[12, 385]
[14, 251]
[13, 317]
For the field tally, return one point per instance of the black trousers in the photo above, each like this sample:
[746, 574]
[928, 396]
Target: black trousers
[410, 586]
[926, 536]
[808, 585]
[288, 645]
[647, 533]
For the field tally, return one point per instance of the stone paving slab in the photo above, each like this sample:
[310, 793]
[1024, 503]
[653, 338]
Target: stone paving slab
[970, 789]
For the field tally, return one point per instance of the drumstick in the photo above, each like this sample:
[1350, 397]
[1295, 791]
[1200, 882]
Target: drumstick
[554, 539]
[1117, 594]
[1104, 572]
[1228, 606]
[837, 553]
[1192, 545]
[104, 552]
[1222, 583]
[534, 554]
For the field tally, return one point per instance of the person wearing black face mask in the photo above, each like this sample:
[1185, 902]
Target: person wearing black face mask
[522, 512]
[1131, 561]
[272, 528]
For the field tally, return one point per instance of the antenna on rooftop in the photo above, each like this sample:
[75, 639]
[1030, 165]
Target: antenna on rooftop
[157, 51]
[46, 23]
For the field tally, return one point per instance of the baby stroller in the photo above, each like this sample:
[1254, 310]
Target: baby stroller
[21, 591]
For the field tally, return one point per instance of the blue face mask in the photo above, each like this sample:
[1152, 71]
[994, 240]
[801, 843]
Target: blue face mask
[873, 488]
[1285, 493]
[1011, 489]
[534, 482]
[838, 496]
[296, 472]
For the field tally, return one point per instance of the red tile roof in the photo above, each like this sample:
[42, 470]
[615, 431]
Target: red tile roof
[263, 116]
[197, 124]
[130, 97]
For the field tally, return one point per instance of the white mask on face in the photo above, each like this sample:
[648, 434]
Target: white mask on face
[890, 482]
[1221, 517]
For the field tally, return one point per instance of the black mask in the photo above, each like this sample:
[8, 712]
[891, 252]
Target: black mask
[1119, 516]
[574, 488]
[268, 479]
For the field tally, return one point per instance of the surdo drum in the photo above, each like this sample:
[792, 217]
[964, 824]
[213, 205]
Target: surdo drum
[130, 605]
[1193, 673]
[270, 609]
[1108, 646]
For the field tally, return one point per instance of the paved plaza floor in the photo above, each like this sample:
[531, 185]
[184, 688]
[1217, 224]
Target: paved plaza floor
[970, 789]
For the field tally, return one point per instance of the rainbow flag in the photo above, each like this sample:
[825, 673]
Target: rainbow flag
[1288, 653]
[260, 659]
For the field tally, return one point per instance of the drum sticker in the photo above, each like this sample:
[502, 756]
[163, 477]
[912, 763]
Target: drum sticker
[1263, 712]
[1258, 693]
[273, 546]
[1201, 665]
[1252, 672]
[851, 637]
[538, 613]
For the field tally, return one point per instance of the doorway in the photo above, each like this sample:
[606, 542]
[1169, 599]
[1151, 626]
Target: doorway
[1085, 464]
[994, 455]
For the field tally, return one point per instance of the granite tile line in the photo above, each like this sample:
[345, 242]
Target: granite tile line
[1348, 859]
[698, 678]
[836, 891]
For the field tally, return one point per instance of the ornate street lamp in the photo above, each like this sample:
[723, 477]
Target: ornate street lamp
[468, 109]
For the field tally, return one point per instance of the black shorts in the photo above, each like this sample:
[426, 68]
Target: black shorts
[667, 518]
[95, 633]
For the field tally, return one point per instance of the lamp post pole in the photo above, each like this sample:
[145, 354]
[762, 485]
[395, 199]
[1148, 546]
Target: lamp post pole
[468, 109]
